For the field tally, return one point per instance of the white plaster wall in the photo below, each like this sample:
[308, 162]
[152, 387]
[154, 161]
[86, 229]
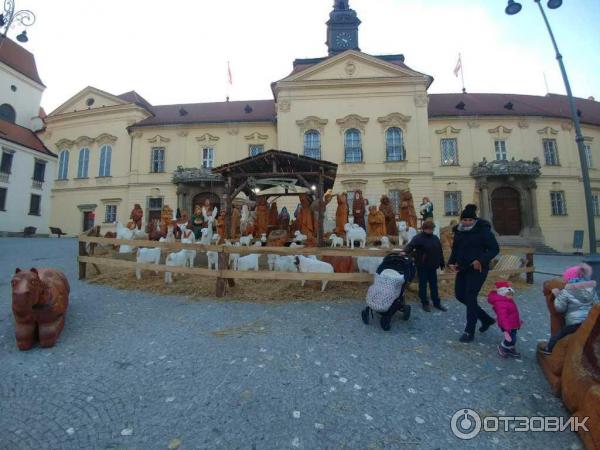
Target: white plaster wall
[25, 100]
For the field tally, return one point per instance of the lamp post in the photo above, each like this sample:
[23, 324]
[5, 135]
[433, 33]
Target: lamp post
[10, 17]
[512, 9]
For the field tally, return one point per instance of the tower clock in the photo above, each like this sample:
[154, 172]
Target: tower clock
[342, 28]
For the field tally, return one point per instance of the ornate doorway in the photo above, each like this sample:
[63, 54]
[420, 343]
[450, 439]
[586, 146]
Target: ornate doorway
[201, 197]
[506, 211]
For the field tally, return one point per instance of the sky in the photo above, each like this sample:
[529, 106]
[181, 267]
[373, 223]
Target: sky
[177, 51]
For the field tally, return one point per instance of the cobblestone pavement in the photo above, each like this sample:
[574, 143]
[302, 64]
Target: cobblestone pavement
[141, 371]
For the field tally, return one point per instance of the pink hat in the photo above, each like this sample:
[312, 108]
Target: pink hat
[503, 284]
[579, 271]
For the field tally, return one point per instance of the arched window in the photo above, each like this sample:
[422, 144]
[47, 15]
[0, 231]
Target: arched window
[84, 160]
[312, 144]
[352, 146]
[63, 165]
[105, 154]
[8, 113]
[394, 144]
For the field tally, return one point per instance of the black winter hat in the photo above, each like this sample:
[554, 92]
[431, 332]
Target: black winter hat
[470, 212]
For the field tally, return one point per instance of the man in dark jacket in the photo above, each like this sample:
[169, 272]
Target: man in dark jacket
[473, 248]
[429, 257]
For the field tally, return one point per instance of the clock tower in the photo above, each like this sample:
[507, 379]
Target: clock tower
[342, 28]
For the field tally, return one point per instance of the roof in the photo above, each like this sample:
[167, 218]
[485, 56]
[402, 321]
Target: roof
[215, 112]
[261, 166]
[551, 105]
[23, 136]
[303, 64]
[134, 97]
[21, 60]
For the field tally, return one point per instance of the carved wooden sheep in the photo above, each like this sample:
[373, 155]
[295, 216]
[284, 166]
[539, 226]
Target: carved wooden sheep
[147, 256]
[336, 241]
[406, 233]
[306, 265]
[285, 263]
[182, 258]
[299, 237]
[124, 233]
[245, 263]
[246, 240]
[355, 233]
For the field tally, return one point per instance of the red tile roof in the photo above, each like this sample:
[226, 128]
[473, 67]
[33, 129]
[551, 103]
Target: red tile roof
[551, 105]
[217, 112]
[21, 60]
[22, 136]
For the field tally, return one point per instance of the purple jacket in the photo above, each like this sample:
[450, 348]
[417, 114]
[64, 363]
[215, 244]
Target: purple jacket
[506, 311]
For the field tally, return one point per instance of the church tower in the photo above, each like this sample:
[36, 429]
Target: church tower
[342, 28]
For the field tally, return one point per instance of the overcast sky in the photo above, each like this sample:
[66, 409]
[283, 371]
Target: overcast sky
[177, 51]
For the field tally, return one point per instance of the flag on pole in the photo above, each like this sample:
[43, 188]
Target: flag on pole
[229, 77]
[458, 66]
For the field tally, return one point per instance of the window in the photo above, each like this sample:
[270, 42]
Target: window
[312, 144]
[350, 200]
[3, 192]
[34, 205]
[452, 203]
[8, 113]
[110, 216]
[449, 152]
[39, 170]
[394, 145]
[500, 150]
[394, 196]
[157, 160]
[557, 201]
[83, 163]
[208, 157]
[596, 204]
[6, 165]
[63, 165]
[256, 149]
[588, 155]
[105, 154]
[550, 152]
[352, 146]
[155, 205]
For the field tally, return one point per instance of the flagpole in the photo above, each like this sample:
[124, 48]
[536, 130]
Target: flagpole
[462, 74]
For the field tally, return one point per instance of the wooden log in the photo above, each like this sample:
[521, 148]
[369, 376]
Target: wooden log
[157, 267]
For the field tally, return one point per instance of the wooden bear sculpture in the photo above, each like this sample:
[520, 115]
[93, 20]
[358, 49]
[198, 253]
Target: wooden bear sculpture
[39, 302]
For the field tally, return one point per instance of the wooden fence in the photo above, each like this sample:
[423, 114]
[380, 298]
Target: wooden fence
[224, 276]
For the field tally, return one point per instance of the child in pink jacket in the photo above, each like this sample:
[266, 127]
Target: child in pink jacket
[509, 321]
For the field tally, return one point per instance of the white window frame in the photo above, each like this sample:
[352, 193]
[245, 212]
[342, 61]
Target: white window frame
[446, 148]
[452, 203]
[256, 149]
[83, 162]
[558, 203]
[63, 165]
[588, 155]
[105, 160]
[394, 144]
[157, 160]
[500, 151]
[208, 157]
[395, 196]
[353, 146]
[550, 152]
[110, 213]
[312, 144]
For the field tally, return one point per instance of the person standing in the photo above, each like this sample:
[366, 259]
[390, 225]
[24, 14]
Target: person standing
[473, 248]
[426, 209]
[428, 258]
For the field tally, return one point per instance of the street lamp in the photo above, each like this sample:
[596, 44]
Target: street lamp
[10, 17]
[513, 8]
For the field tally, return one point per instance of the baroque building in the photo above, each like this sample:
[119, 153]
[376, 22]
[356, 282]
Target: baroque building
[514, 155]
[27, 166]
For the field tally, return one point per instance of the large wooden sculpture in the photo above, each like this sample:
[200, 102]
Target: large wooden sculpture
[341, 214]
[197, 222]
[358, 209]
[236, 216]
[40, 298]
[283, 221]
[221, 226]
[573, 368]
[376, 225]
[136, 217]
[273, 216]
[407, 209]
[387, 209]
[305, 217]
[166, 219]
[262, 216]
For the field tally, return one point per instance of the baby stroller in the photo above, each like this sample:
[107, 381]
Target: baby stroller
[386, 295]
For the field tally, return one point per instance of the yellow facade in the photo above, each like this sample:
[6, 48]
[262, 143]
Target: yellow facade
[350, 90]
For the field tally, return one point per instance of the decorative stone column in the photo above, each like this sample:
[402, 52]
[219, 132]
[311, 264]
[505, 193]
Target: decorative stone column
[534, 229]
[484, 200]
